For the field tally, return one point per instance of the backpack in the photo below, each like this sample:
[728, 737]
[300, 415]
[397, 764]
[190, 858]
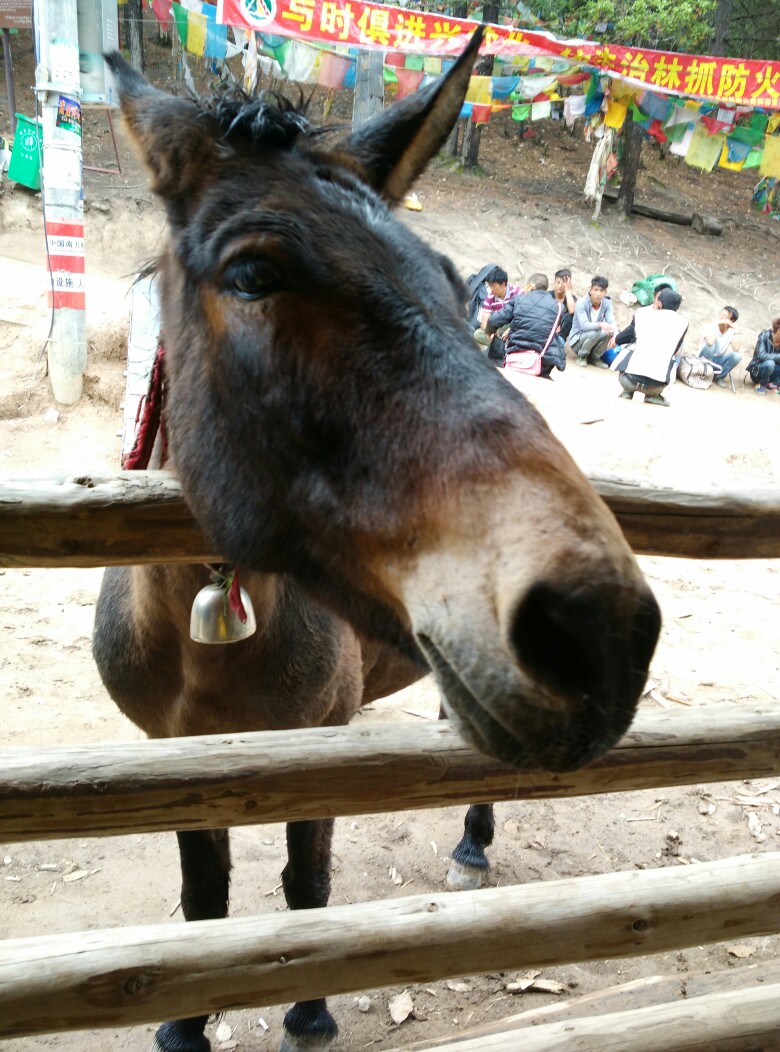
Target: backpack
[695, 371]
[477, 294]
[644, 290]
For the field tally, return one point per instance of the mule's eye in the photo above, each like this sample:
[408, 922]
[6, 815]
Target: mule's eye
[251, 279]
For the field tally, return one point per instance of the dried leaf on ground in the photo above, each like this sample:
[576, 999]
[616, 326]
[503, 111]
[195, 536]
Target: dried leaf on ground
[401, 1007]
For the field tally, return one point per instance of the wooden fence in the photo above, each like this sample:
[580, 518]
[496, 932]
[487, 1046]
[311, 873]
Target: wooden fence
[139, 975]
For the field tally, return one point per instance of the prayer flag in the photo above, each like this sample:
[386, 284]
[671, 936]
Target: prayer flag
[409, 81]
[333, 69]
[704, 150]
[770, 163]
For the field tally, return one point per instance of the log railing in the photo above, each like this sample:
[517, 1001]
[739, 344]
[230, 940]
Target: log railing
[141, 517]
[282, 776]
[134, 975]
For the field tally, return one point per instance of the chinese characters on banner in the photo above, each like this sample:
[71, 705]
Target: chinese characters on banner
[366, 25]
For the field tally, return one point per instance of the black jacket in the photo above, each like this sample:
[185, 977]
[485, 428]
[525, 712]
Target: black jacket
[765, 352]
[531, 318]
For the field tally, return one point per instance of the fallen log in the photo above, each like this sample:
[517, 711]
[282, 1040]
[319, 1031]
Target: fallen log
[701, 224]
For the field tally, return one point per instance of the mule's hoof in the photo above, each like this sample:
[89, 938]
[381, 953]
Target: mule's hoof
[308, 1027]
[298, 1043]
[180, 1037]
[465, 878]
[203, 1045]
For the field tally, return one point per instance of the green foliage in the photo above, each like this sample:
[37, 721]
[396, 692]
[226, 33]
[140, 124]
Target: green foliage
[668, 25]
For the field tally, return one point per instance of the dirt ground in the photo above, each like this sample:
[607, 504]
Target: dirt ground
[527, 213]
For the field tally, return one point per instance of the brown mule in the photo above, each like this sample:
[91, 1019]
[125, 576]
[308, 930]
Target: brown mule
[392, 502]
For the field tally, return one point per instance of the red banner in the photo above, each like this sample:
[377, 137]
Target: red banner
[737, 82]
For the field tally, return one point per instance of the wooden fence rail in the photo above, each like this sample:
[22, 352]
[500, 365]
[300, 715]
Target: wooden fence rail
[221, 780]
[729, 1021]
[135, 975]
[141, 975]
[141, 517]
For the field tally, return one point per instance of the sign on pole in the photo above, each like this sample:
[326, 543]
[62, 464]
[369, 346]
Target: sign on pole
[15, 14]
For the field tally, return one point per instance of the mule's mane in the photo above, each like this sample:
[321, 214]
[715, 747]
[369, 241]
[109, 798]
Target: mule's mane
[269, 119]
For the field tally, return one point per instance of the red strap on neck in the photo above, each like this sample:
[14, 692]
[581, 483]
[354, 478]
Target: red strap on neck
[149, 419]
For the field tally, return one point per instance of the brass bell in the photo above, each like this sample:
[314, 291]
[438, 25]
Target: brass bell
[214, 621]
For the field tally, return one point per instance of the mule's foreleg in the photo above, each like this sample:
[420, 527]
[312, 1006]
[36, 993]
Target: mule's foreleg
[308, 1025]
[469, 866]
[205, 883]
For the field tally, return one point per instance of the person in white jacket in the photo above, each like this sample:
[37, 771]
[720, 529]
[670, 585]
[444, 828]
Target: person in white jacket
[652, 342]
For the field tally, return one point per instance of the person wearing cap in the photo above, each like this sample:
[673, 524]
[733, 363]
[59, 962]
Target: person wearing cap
[719, 345]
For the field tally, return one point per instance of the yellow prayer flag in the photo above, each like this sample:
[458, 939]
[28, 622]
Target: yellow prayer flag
[705, 149]
[616, 114]
[196, 32]
[770, 162]
[480, 90]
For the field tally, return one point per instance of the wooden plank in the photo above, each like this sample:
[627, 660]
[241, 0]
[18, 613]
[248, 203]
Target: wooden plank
[220, 780]
[739, 1021]
[625, 997]
[141, 517]
[136, 975]
[88, 520]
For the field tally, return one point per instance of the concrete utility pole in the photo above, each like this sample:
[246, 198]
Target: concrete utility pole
[369, 87]
[58, 87]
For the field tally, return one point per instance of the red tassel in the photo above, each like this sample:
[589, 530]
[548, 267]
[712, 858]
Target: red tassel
[234, 598]
[150, 413]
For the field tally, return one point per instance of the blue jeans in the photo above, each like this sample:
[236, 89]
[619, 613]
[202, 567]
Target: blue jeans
[766, 373]
[725, 361]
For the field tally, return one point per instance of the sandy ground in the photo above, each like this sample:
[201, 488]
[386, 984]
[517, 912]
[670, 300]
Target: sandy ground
[718, 643]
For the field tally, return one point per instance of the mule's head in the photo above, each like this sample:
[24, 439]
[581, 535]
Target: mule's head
[331, 417]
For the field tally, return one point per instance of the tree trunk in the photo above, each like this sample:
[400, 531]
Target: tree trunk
[473, 132]
[459, 10]
[134, 33]
[723, 13]
[632, 138]
[451, 145]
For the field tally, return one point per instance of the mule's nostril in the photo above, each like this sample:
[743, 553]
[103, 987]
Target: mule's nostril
[558, 637]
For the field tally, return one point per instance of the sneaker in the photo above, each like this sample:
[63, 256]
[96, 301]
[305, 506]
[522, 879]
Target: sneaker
[582, 362]
[721, 383]
[760, 389]
[600, 365]
[773, 387]
[656, 400]
[627, 394]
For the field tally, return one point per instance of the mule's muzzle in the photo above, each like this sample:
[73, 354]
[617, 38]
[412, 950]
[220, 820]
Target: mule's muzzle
[563, 687]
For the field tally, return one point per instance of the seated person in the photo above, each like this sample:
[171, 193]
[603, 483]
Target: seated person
[719, 345]
[500, 292]
[563, 293]
[653, 339]
[594, 324]
[764, 367]
[533, 320]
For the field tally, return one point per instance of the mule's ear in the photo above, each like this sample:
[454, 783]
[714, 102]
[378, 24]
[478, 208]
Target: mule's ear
[394, 148]
[169, 133]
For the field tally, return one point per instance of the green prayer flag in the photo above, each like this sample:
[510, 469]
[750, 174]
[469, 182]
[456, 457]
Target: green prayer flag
[753, 159]
[180, 14]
